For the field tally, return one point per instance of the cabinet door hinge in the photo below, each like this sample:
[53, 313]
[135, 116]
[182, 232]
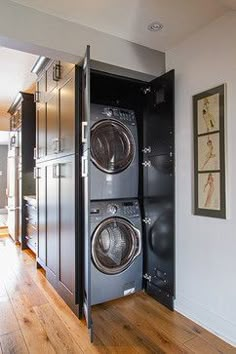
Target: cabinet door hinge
[146, 163]
[146, 90]
[147, 221]
[147, 150]
[147, 277]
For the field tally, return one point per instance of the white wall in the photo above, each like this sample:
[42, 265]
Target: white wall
[35, 32]
[206, 247]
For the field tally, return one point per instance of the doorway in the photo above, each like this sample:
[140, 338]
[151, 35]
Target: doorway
[3, 180]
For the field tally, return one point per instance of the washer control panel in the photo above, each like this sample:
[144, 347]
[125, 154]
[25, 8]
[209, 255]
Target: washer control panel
[124, 115]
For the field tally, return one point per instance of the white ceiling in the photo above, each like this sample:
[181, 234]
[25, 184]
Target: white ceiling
[129, 19]
[15, 76]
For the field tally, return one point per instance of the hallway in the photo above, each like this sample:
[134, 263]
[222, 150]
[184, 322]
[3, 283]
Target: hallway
[34, 319]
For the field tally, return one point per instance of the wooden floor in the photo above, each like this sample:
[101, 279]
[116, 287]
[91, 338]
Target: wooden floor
[33, 319]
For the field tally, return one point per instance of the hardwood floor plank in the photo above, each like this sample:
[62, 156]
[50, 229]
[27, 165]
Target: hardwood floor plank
[136, 310]
[136, 324]
[122, 336]
[199, 345]
[76, 327]
[8, 321]
[57, 332]
[13, 343]
[34, 334]
[178, 320]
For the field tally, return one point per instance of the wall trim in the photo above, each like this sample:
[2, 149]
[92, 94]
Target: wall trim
[210, 321]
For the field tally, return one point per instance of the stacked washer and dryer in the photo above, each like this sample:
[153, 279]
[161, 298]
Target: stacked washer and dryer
[116, 223]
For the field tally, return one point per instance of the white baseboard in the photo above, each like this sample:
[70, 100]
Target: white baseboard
[212, 322]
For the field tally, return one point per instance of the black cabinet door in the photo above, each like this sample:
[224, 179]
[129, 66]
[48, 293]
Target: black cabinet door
[41, 118]
[85, 174]
[158, 187]
[52, 175]
[67, 236]
[66, 92]
[41, 214]
[53, 143]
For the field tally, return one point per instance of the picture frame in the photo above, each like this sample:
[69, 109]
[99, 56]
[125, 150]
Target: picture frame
[209, 152]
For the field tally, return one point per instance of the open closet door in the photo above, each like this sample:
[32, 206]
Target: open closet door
[85, 167]
[159, 202]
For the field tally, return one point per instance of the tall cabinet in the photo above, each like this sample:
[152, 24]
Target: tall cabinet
[23, 127]
[153, 103]
[55, 175]
[64, 97]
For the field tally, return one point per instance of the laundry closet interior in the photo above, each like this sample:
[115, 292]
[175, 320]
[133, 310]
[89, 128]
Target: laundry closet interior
[105, 182]
[127, 187]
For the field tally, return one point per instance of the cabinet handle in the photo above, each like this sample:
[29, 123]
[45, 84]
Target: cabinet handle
[36, 172]
[56, 171]
[35, 154]
[56, 142]
[84, 162]
[36, 97]
[56, 72]
[84, 126]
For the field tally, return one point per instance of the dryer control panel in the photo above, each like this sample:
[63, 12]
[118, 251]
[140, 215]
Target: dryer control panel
[122, 114]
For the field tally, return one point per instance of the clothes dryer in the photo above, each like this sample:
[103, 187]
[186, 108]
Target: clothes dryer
[114, 153]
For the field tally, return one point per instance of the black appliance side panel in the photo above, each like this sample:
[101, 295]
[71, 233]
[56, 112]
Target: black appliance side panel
[159, 190]
[85, 174]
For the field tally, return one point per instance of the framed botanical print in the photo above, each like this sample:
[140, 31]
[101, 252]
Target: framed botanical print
[209, 153]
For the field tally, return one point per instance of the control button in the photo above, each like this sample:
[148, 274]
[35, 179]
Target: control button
[112, 209]
[109, 112]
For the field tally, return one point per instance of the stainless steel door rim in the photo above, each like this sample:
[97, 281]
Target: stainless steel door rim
[115, 245]
[112, 146]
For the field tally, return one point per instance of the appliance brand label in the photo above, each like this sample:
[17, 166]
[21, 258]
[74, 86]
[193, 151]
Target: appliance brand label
[129, 291]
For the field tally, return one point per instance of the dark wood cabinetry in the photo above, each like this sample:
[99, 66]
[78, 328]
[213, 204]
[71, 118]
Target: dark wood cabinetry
[66, 104]
[55, 98]
[66, 241]
[51, 221]
[55, 161]
[63, 189]
[41, 207]
[53, 127]
[40, 150]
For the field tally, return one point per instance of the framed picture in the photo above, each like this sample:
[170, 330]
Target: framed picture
[209, 153]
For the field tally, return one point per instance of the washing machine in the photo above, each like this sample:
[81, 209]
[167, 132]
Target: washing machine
[114, 153]
[116, 249]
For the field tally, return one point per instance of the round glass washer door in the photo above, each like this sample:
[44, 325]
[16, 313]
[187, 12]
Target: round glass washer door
[115, 244]
[112, 146]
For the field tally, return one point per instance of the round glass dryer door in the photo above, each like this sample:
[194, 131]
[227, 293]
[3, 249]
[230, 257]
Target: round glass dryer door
[115, 244]
[112, 146]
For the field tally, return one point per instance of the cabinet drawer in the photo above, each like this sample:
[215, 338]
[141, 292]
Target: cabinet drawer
[31, 236]
[53, 76]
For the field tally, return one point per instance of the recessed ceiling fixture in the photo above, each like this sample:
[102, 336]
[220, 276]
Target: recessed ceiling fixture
[155, 26]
